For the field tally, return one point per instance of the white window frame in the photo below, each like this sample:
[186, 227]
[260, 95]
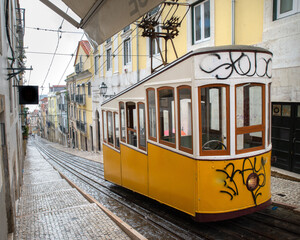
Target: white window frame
[159, 45]
[295, 9]
[108, 59]
[127, 51]
[203, 38]
[97, 65]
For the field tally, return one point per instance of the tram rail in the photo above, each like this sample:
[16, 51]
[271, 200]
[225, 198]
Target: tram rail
[271, 223]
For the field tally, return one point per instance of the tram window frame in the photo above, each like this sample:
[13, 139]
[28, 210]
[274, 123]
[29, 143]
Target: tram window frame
[122, 138]
[162, 141]
[117, 139]
[110, 124]
[104, 126]
[182, 148]
[227, 118]
[139, 126]
[251, 128]
[148, 115]
[269, 115]
[131, 123]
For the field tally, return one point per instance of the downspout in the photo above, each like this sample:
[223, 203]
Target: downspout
[137, 55]
[233, 22]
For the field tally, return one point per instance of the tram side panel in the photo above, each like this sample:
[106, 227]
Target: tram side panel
[134, 170]
[112, 165]
[172, 178]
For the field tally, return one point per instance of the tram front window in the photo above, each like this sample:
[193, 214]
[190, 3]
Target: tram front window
[214, 119]
[250, 99]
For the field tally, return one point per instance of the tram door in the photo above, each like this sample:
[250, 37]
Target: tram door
[286, 135]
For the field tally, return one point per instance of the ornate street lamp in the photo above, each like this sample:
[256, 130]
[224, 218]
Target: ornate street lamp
[103, 90]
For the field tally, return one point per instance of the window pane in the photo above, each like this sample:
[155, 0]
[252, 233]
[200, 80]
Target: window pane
[117, 130]
[214, 118]
[131, 123]
[142, 125]
[197, 23]
[185, 124]
[286, 110]
[249, 140]
[108, 59]
[207, 19]
[298, 111]
[104, 126]
[167, 120]
[127, 52]
[152, 113]
[286, 6]
[123, 128]
[110, 127]
[249, 105]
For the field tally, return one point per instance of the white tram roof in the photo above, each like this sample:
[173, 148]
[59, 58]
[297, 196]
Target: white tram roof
[186, 66]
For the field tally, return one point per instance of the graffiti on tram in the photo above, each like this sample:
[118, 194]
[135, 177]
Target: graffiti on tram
[224, 65]
[253, 176]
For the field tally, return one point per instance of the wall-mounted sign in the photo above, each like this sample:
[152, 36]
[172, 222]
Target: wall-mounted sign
[28, 94]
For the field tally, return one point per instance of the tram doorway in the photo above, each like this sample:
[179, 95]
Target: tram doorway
[286, 135]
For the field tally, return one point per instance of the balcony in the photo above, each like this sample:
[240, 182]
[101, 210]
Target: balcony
[79, 67]
[80, 99]
[81, 126]
[63, 129]
[62, 107]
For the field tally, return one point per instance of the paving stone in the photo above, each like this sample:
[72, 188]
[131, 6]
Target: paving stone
[41, 176]
[45, 187]
[49, 201]
[82, 222]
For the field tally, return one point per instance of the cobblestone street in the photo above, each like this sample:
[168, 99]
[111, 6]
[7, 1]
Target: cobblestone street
[49, 208]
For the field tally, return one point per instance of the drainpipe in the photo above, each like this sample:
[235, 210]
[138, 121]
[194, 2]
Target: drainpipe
[137, 55]
[233, 22]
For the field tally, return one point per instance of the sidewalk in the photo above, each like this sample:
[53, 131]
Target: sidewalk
[49, 208]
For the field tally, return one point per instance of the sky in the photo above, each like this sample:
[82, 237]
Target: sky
[40, 45]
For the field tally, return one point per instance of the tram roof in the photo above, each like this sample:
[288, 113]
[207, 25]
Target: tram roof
[207, 50]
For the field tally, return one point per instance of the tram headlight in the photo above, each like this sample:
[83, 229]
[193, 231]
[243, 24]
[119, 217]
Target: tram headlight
[252, 181]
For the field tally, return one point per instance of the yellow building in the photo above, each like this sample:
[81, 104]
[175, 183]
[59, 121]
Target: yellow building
[125, 58]
[52, 117]
[80, 94]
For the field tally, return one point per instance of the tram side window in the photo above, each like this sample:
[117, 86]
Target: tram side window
[131, 123]
[151, 114]
[142, 126]
[185, 119]
[104, 127]
[166, 116]
[122, 122]
[117, 138]
[110, 128]
[214, 114]
[249, 117]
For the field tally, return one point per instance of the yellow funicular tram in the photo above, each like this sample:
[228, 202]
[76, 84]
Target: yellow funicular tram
[196, 134]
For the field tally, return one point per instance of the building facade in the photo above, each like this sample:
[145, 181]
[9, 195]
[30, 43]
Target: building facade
[12, 115]
[80, 106]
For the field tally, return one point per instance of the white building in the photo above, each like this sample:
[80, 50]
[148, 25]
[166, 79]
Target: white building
[11, 142]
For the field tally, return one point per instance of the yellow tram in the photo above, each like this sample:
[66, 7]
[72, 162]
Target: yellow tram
[196, 134]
